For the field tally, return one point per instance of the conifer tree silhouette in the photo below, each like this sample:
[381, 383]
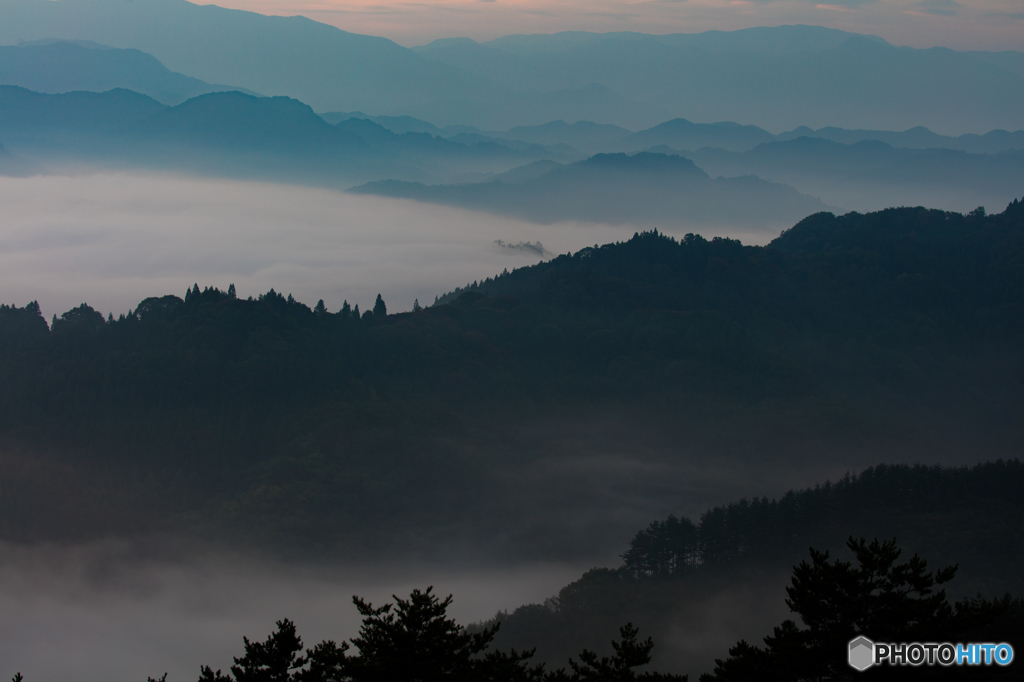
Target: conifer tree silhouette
[629, 654]
[838, 601]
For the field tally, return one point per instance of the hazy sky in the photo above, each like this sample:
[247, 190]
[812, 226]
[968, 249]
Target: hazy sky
[959, 24]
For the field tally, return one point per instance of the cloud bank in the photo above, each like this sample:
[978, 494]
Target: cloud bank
[113, 240]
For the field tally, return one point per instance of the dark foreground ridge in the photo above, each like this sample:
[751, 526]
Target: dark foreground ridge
[846, 341]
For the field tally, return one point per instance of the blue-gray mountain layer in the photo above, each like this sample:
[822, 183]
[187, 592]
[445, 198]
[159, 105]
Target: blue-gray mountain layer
[234, 134]
[63, 66]
[777, 78]
[646, 188]
[870, 175]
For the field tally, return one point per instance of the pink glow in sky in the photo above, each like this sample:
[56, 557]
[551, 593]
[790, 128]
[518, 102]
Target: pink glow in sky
[958, 24]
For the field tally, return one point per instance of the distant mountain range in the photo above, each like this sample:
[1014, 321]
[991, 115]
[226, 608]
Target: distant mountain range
[646, 188]
[51, 66]
[870, 175]
[26, 114]
[853, 169]
[272, 55]
[278, 138]
[680, 134]
[919, 137]
[235, 134]
[777, 78]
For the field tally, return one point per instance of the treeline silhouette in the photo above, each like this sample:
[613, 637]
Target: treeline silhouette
[938, 506]
[897, 333]
[884, 600]
[874, 595]
[971, 516]
[413, 639]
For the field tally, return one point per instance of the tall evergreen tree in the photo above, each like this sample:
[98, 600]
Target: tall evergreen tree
[414, 640]
[629, 654]
[837, 601]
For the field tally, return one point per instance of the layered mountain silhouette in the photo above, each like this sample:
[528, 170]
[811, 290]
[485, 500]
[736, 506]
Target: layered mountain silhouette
[234, 120]
[33, 115]
[872, 174]
[680, 134]
[586, 136]
[52, 66]
[279, 138]
[778, 78]
[272, 55]
[644, 188]
[917, 137]
[236, 134]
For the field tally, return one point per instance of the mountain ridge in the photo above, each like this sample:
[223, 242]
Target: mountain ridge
[56, 66]
[853, 81]
[645, 188]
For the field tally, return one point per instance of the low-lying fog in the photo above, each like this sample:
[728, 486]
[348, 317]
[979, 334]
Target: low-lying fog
[112, 240]
[102, 613]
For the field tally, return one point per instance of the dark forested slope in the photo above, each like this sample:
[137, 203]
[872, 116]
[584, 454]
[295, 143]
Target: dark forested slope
[847, 341]
[677, 575]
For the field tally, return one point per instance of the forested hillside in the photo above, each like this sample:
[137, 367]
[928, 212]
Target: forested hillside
[847, 341]
[677, 574]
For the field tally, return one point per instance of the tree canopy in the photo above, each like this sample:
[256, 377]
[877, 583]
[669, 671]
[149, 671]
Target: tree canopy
[263, 420]
[874, 596]
[414, 640]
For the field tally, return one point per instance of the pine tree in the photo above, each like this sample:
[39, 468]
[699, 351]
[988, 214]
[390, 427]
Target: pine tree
[837, 601]
[629, 654]
[379, 309]
[401, 641]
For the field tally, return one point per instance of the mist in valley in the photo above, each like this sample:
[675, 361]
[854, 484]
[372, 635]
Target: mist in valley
[113, 240]
[124, 609]
[115, 611]
[581, 328]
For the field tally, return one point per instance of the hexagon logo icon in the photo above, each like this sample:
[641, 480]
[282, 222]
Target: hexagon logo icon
[861, 653]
